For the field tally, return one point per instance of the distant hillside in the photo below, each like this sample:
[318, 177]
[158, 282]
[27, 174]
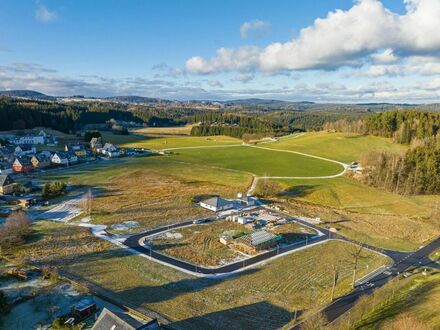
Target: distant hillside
[137, 99]
[27, 94]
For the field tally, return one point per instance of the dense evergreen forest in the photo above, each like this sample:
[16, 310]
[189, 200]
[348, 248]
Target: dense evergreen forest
[415, 172]
[270, 124]
[26, 114]
[71, 117]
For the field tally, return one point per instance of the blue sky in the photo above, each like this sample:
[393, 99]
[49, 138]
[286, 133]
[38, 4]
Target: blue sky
[357, 51]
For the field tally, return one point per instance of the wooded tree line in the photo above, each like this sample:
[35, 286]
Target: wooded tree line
[273, 123]
[415, 172]
[402, 126]
[24, 114]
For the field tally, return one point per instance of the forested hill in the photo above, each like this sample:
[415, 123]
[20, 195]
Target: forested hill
[415, 172]
[25, 114]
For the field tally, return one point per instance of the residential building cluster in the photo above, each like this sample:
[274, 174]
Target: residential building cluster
[20, 155]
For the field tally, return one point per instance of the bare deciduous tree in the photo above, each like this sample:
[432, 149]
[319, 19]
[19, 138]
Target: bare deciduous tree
[355, 251]
[16, 227]
[86, 203]
[315, 322]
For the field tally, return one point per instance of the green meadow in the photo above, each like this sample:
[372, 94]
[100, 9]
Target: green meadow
[164, 142]
[335, 145]
[261, 162]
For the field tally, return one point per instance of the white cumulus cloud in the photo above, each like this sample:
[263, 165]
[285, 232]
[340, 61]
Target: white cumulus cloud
[366, 32]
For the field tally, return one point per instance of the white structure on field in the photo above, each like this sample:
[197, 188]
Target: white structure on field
[217, 204]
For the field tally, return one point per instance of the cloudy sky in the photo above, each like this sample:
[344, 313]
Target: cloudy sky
[321, 50]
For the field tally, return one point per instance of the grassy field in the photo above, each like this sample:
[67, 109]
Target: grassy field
[363, 213]
[161, 142]
[158, 189]
[335, 145]
[159, 131]
[411, 303]
[259, 161]
[151, 190]
[199, 244]
[262, 298]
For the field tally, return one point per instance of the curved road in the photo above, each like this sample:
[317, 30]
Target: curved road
[255, 177]
[134, 242]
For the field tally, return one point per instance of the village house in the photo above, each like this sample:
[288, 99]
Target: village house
[7, 185]
[217, 204]
[24, 150]
[22, 164]
[110, 320]
[110, 150]
[78, 149]
[96, 143]
[64, 158]
[6, 154]
[40, 161]
[5, 168]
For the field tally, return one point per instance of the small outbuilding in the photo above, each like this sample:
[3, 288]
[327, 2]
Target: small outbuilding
[259, 240]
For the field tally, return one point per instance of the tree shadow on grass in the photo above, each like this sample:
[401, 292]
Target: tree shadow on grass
[262, 315]
[155, 294]
[298, 191]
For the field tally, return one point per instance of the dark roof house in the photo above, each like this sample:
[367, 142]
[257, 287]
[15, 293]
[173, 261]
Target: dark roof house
[109, 320]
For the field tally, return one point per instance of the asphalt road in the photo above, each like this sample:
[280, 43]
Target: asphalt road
[133, 243]
[402, 263]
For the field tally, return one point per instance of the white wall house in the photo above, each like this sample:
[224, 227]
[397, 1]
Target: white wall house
[216, 204]
[28, 139]
[60, 159]
[110, 150]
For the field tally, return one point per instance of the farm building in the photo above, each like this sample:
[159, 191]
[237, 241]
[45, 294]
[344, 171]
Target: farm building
[258, 240]
[117, 320]
[7, 184]
[217, 204]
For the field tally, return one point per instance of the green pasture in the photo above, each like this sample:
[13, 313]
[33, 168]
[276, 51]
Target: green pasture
[259, 161]
[335, 145]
